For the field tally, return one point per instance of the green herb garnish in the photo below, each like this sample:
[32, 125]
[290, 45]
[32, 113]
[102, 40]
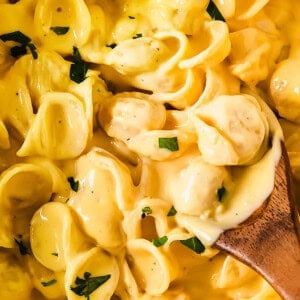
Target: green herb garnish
[32, 49]
[168, 143]
[194, 244]
[73, 184]
[221, 192]
[78, 72]
[79, 68]
[112, 45]
[54, 253]
[146, 211]
[214, 12]
[138, 35]
[60, 30]
[15, 36]
[48, 283]
[22, 248]
[172, 212]
[23, 40]
[17, 51]
[160, 241]
[87, 285]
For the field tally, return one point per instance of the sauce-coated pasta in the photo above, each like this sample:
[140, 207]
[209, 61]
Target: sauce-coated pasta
[132, 133]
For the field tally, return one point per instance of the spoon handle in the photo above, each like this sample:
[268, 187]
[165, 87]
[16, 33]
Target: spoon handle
[269, 241]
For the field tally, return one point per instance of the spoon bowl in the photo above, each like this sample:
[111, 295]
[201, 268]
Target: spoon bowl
[269, 241]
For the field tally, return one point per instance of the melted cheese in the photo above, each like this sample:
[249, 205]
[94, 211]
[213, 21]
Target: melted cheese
[85, 185]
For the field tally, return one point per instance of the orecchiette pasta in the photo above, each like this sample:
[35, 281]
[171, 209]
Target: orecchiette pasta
[97, 206]
[64, 238]
[23, 188]
[53, 13]
[60, 122]
[94, 261]
[132, 134]
[251, 59]
[193, 186]
[152, 269]
[231, 129]
[125, 115]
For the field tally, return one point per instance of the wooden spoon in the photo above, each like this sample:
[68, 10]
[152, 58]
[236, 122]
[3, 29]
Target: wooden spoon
[269, 241]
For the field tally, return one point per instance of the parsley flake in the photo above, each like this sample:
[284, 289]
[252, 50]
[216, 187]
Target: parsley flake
[79, 68]
[48, 283]
[73, 184]
[22, 248]
[146, 211]
[32, 49]
[112, 45]
[214, 12]
[87, 285]
[137, 35]
[54, 253]
[15, 36]
[194, 244]
[131, 17]
[60, 30]
[170, 143]
[221, 192]
[172, 212]
[23, 40]
[160, 241]
[17, 51]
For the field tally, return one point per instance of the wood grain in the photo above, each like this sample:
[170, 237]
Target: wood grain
[269, 241]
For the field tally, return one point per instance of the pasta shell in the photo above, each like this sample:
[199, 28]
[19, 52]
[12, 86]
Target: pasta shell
[54, 220]
[230, 126]
[60, 129]
[23, 189]
[150, 267]
[95, 262]
[63, 13]
[106, 188]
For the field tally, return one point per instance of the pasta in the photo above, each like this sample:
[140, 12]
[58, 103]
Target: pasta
[132, 134]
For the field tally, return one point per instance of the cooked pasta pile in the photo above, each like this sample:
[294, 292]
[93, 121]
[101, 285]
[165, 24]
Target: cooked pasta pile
[134, 132]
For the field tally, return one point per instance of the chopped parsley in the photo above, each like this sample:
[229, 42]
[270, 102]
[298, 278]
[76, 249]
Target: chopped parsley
[221, 192]
[60, 30]
[79, 68]
[194, 244]
[87, 285]
[137, 35]
[160, 241]
[172, 212]
[214, 12]
[22, 248]
[54, 253]
[112, 45]
[73, 184]
[17, 51]
[15, 36]
[32, 49]
[170, 143]
[23, 40]
[131, 17]
[48, 283]
[146, 211]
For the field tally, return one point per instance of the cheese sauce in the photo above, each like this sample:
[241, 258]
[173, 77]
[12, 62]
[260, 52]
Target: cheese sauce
[132, 133]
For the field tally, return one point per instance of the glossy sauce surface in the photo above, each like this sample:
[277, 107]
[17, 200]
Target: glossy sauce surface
[86, 187]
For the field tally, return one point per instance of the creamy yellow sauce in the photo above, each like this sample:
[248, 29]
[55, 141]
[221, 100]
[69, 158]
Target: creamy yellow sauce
[123, 179]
